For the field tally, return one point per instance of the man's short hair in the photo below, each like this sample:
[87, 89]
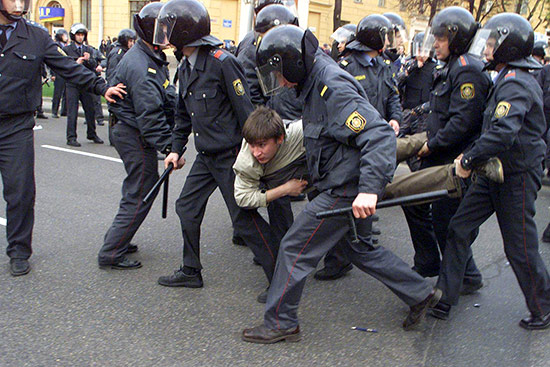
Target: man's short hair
[263, 124]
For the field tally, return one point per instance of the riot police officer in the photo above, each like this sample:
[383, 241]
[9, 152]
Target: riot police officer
[142, 129]
[539, 51]
[83, 54]
[340, 38]
[350, 152]
[366, 65]
[214, 104]
[513, 128]
[125, 40]
[456, 103]
[59, 95]
[25, 46]
[391, 54]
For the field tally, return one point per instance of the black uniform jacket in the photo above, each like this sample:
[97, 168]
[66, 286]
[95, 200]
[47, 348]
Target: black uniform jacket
[20, 65]
[246, 54]
[543, 77]
[113, 58]
[416, 86]
[350, 149]
[72, 51]
[513, 124]
[457, 103]
[378, 82]
[215, 103]
[145, 75]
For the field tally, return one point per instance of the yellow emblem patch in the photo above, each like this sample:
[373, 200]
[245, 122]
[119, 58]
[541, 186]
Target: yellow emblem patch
[239, 88]
[502, 109]
[119, 51]
[360, 77]
[356, 122]
[344, 62]
[166, 84]
[60, 50]
[467, 91]
[152, 71]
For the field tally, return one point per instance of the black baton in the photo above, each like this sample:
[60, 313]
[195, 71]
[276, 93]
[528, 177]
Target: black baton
[403, 200]
[154, 191]
[165, 196]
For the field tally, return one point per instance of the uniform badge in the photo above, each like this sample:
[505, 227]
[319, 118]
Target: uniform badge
[238, 86]
[60, 50]
[119, 51]
[502, 109]
[356, 122]
[360, 77]
[166, 84]
[151, 70]
[467, 91]
[344, 62]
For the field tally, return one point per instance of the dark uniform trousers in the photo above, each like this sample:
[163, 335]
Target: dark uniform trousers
[98, 108]
[17, 169]
[59, 96]
[514, 205]
[309, 239]
[141, 165]
[73, 96]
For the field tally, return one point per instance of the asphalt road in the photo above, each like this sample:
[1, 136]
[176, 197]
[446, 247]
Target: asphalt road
[68, 312]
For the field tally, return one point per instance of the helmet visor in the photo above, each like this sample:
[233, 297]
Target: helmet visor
[270, 76]
[401, 36]
[486, 42]
[389, 38]
[163, 30]
[15, 7]
[341, 35]
[426, 48]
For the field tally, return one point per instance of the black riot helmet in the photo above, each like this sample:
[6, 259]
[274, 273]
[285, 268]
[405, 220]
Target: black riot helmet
[184, 23]
[539, 49]
[126, 35]
[14, 9]
[78, 28]
[399, 27]
[511, 38]
[455, 23]
[272, 16]
[260, 4]
[287, 51]
[144, 21]
[59, 35]
[373, 33]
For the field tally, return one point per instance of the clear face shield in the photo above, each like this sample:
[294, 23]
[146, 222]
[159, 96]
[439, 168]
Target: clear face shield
[163, 30]
[486, 42]
[270, 76]
[400, 35]
[341, 35]
[427, 47]
[389, 38]
[15, 7]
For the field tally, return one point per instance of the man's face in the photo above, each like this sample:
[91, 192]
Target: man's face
[489, 49]
[79, 38]
[64, 38]
[441, 46]
[341, 46]
[14, 7]
[131, 43]
[285, 83]
[265, 150]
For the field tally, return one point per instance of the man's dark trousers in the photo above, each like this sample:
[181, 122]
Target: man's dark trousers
[59, 96]
[73, 96]
[514, 204]
[141, 165]
[17, 169]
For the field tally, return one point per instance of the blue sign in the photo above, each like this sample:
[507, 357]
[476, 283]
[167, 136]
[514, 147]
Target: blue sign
[227, 23]
[50, 14]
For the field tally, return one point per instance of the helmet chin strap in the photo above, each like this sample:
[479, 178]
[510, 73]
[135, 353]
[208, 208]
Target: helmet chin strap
[11, 17]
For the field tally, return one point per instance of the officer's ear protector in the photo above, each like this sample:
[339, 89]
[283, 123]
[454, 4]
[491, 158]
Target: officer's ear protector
[310, 44]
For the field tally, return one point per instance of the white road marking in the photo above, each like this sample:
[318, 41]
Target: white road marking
[107, 158]
[3, 222]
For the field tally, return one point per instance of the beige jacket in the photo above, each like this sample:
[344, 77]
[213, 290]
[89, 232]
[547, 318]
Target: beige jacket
[288, 162]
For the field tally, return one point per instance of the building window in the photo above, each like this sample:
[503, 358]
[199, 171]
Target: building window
[382, 3]
[135, 7]
[524, 7]
[86, 13]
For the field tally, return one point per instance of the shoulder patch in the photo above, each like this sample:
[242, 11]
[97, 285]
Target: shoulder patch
[166, 84]
[462, 61]
[467, 91]
[344, 62]
[218, 53]
[239, 88]
[360, 77]
[119, 51]
[60, 50]
[151, 70]
[324, 91]
[502, 109]
[510, 74]
[356, 122]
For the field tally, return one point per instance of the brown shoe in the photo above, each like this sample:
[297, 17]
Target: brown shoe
[418, 311]
[263, 335]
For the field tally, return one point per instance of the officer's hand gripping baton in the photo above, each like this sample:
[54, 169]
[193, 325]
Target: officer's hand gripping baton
[403, 200]
[154, 191]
